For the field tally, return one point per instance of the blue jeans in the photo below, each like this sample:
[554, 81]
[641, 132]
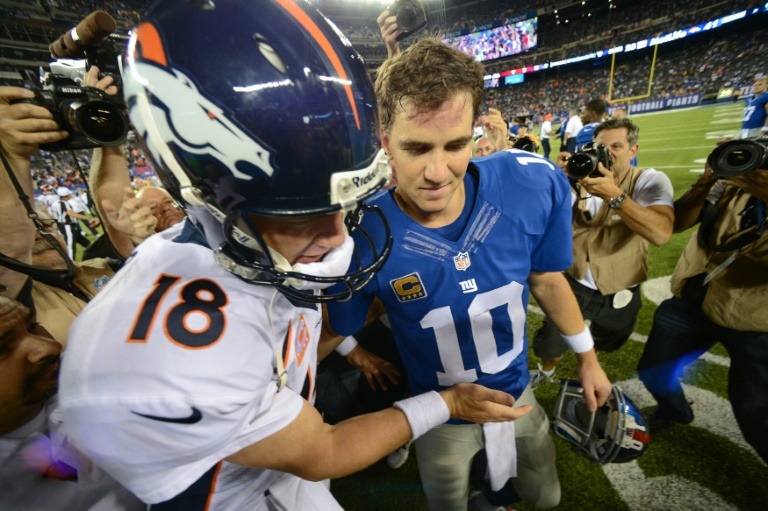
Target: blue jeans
[681, 333]
[547, 148]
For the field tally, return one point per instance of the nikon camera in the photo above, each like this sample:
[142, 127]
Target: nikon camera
[739, 157]
[411, 17]
[91, 116]
[583, 163]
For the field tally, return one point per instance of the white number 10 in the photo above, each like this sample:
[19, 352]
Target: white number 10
[441, 320]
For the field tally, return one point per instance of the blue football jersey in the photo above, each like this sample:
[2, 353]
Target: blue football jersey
[586, 134]
[458, 309]
[754, 113]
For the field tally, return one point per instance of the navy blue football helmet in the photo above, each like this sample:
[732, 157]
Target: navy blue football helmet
[258, 107]
[616, 433]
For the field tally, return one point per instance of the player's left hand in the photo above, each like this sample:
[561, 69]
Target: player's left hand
[597, 386]
[603, 186]
[375, 368]
[475, 403]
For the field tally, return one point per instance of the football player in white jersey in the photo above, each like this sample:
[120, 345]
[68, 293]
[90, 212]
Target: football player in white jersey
[190, 379]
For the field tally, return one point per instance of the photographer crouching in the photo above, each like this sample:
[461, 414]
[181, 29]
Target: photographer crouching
[617, 210]
[720, 287]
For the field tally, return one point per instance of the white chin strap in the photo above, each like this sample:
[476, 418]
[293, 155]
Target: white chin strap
[334, 264]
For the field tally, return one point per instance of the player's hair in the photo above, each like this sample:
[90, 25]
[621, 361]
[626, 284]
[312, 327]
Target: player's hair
[597, 106]
[633, 131]
[427, 75]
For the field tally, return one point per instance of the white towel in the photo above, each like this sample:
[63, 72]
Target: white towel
[501, 451]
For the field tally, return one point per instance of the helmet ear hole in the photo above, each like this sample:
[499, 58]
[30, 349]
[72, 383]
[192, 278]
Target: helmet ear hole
[269, 53]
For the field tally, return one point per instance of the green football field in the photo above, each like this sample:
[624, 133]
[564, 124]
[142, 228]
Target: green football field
[703, 466]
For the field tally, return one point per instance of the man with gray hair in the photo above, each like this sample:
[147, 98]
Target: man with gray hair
[615, 216]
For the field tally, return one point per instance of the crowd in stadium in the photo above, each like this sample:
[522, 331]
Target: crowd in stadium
[252, 303]
[730, 61]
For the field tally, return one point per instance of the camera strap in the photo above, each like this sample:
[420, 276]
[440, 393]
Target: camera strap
[709, 216]
[57, 278]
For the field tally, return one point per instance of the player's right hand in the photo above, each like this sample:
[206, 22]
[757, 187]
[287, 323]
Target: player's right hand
[475, 403]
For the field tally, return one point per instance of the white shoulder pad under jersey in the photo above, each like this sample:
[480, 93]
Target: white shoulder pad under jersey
[172, 367]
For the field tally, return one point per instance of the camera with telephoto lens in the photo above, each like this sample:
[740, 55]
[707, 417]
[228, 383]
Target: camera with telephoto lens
[739, 157]
[92, 117]
[411, 17]
[583, 163]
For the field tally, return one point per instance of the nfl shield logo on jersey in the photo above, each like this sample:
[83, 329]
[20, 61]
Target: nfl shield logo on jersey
[462, 261]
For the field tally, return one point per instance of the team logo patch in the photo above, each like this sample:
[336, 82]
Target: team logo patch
[302, 339]
[100, 282]
[468, 286]
[462, 261]
[409, 287]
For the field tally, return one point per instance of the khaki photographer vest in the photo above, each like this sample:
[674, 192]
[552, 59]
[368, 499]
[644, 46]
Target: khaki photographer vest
[737, 297]
[57, 309]
[617, 255]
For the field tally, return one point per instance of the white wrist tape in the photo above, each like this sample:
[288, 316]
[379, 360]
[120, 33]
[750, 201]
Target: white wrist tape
[579, 343]
[424, 412]
[346, 346]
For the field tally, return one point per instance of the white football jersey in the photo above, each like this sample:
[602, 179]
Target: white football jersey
[172, 368]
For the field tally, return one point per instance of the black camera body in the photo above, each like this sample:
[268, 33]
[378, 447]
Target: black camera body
[411, 17]
[739, 157]
[583, 163]
[92, 117]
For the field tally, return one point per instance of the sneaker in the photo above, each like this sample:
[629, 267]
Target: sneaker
[538, 376]
[398, 458]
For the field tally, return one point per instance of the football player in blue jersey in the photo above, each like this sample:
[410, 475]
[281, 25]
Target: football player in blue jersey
[191, 378]
[755, 122]
[472, 238]
[594, 112]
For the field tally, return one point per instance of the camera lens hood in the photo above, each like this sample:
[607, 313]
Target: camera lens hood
[737, 158]
[101, 122]
[580, 165]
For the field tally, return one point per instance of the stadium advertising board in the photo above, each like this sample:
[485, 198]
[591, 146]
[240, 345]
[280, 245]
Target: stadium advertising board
[502, 40]
[660, 104]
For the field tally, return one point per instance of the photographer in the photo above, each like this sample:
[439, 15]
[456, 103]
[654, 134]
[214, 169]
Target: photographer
[616, 212]
[720, 287]
[36, 316]
[57, 300]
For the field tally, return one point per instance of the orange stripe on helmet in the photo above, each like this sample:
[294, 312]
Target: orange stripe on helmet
[317, 34]
[150, 45]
